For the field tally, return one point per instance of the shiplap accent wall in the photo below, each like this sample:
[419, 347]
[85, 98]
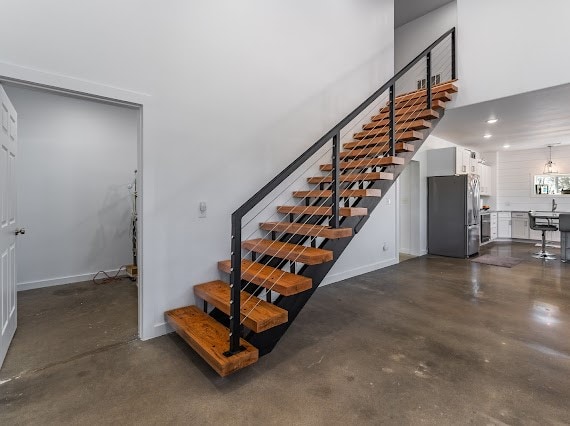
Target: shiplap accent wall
[515, 173]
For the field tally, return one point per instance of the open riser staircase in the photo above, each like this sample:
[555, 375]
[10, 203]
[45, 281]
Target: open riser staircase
[271, 278]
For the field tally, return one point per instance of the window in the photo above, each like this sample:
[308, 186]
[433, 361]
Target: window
[552, 185]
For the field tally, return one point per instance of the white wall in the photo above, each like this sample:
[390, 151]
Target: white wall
[409, 209]
[412, 38]
[516, 170]
[511, 46]
[75, 160]
[232, 92]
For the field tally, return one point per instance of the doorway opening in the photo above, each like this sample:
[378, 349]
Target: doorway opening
[77, 200]
[409, 212]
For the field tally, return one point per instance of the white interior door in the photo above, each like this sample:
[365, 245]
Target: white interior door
[8, 150]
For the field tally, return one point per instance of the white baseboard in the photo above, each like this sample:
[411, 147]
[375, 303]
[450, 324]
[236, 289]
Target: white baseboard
[30, 285]
[329, 279]
[157, 330]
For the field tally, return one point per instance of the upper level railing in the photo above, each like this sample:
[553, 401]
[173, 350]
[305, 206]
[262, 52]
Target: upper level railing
[437, 69]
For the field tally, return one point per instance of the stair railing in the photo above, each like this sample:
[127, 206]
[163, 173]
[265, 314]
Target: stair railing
[335, 185]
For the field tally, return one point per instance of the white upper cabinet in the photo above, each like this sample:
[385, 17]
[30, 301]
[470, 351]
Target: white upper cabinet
[452, 161]
[487, 180]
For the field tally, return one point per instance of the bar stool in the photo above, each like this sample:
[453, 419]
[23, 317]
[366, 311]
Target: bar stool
[535, 226]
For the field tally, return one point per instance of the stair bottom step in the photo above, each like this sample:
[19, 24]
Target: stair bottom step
[210, 340]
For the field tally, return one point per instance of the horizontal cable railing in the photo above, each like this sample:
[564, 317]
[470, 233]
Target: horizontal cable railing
[417, 75]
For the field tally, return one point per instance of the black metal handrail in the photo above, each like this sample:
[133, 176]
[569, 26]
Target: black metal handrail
[334, 134]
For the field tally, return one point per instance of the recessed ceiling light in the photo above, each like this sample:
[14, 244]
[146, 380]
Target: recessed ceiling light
[492, 120]
[487, 136]
[506, 146]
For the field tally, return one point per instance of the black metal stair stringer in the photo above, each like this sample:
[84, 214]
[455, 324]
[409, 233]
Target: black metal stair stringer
[267, 340]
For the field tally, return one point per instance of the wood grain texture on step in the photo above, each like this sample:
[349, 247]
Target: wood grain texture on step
[422, 100]
[353, 177]
[385, 115]
[426, 114]
[273, 279]
[256, 314]
[322, 210]
[384, 140]
[374, 152]
[402, 127]
[354, 193]
[308, 230]
[362, 163]
[449, 87]
[210, 340]
[293, 252]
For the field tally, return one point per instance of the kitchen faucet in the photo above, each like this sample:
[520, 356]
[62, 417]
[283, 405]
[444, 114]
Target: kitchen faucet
[554, 205]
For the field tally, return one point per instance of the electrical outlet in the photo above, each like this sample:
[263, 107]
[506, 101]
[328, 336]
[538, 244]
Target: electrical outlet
[203, 208]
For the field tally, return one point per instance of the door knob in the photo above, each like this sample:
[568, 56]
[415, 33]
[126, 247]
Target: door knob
[20, 231]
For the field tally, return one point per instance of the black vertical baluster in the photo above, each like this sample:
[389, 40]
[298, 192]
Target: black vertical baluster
[453, 65]
[335, 177]
[392, 131]
[428, 80]
[235, 285]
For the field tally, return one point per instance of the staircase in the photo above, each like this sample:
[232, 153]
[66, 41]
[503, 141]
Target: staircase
[273, 275]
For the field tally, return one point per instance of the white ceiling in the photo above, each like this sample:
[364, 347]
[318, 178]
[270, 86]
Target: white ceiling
[408, 10]
[528, 120]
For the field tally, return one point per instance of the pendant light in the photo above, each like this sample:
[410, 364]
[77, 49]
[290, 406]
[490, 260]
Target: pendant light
[550, 168]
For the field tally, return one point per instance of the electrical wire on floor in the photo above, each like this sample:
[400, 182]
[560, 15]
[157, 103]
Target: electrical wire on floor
[110, 278]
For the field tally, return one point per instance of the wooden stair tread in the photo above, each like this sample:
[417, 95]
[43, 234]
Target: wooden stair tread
[366, 152]
[426, 114]
[449, 87]
[307, 230]
[274, 279]
[210, 339]
[402, 127]
[355, 193]
[294, 252]
[363, 163]
[400, 137]
[256, 314]
[322, 210]
[421, 100]
[353, 177]
[385, 114]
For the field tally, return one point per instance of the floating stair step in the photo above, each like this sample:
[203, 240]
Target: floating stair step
[426, 114]
[403, 127]
[353, 177]
[422, 100]
[436, 105]
[256, 314]
[384, 140]
[307, 230]
[273, 279]
[354, 193]
[443, 87]
[294, 252]
[210, 340]
[373, 152]
[363, 163]
[322, 210]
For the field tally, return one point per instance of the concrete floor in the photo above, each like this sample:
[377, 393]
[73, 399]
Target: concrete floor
[429, 341]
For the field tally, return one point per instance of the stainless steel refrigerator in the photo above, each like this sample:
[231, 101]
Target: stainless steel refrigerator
[453, 215]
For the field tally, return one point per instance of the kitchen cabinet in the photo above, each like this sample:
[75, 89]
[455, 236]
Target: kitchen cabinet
[519, 226]
[451, 161]
[504, 225]
[494, 226]
[487, 181]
